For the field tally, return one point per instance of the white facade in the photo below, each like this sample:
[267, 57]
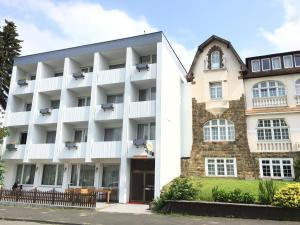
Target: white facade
[101, 113]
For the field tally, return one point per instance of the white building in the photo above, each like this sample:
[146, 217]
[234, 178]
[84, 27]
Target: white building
[110, 114]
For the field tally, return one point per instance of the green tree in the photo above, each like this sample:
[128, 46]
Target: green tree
[9, 48]
[3, 134]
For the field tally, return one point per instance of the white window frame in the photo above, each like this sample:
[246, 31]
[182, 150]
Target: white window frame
[295, 60]
[148, 131]
[86, 99]
[252, 67]
[278, 85]
[272, 128]
[262, 64]
[56, 173]
[89, 69]
[281, 168]
[83, 134]
[78, 168]
[22, 174]
[273, 59]
[217, 65]
[216, 89]
[228, 125]
[297, 86]
[291, 59]
[225, 167]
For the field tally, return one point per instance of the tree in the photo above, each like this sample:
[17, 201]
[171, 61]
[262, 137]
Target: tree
[9, 48]
[3, 134]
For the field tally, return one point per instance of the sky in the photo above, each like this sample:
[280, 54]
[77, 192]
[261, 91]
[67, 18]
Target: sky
[253, 27]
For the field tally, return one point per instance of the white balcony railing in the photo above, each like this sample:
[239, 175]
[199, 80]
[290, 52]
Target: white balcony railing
[298, 99]
[24, 89]
[269, 102]
[144, 74]
[18, 119]
[297, 146]
[73, 153]
[49, 118]
[41, 151]
[107, 149]
[76, 114]
[113, 76]
[142, 109]
[110, 114]
[81, 82]
[140, 152]
[274, 146]
[14, 154]
[50, 84]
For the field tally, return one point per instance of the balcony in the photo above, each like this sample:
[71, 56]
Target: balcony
[76, 114]
[141, 151]
[85, 81]
[50, 84]
[47, 119]
[113, 76]
[269, 102]
[297, 100]
[274, 146]
[73, 153]
[142, 109]
[107, 149]
[18, 153]
[147, 74]
[18, 119]
[297, 146]
[111, 114]
[41, 151]
[25, 88]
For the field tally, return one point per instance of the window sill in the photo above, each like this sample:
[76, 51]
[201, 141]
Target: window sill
[215, 70]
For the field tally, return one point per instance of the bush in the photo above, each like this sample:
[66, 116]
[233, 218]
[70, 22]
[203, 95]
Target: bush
[266, 191]
[235, 196]
[288, 196]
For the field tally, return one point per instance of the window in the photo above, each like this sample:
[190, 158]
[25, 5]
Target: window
[274, 129]
[276, 168]
[276, 63]
[147, 94]
[115, 98]
[288, 61]
[266, 64]
[298, 87]
[23, 138]
[215, 90]
[54, 104]
[110, 176]
[25, 174]
[86, 69]
[255, 65]
[32, 77]
[215, 60]
[148, 59]
[80, 135]
[144, 131]
[84, 101]
[53, 174]
[219, 130]
[113, 134]
[58, 74]
[297, 60]
[220, 167]
[267, 89]
[50, 137]
[85, 173]
[28, 107]
[116, 66]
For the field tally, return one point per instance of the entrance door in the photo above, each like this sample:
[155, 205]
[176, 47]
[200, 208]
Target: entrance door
[142, 186]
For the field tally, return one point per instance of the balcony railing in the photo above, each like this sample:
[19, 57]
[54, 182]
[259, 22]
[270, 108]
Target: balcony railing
[24, 89]
[274, 146]
[145, 74]
[85, 81]
[73, 153]
[142, 109]
[112, 76]
[41, 151]
[298, 99]
[141, 151]
[18, 153]
[18, 119]
[269, 102]
[112, 114]
[107, 149]
[49, 118]
[50, 84]
[76, 114]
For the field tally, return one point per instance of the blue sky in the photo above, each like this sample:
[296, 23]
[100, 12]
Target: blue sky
[254, 27]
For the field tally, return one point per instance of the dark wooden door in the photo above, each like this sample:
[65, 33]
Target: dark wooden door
[137, 187]
[149, 186]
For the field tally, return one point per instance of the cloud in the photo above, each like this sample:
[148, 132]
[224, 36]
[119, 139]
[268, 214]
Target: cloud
[286, 36]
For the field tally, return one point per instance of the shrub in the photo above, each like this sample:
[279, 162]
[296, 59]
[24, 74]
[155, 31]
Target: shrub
[158, 204]
[288, 196]
[235, 196]
[266, 191]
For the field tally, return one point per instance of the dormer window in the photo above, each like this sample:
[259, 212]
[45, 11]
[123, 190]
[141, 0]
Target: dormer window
[255, 65]
[276, 63]
[266, 64]
[297, 60]
[215, 60]
[287, 61]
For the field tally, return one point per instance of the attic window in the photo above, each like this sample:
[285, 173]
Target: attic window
[215, 58]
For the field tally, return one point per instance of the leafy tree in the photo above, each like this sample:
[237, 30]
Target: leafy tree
[3, 133]
[9, 48]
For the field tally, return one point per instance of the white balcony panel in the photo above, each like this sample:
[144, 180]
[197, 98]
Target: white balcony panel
[297, 146]
[107, 149]
[269, 102]
[76, 114]
[41, 151]
[75, 153]
[144, 74]
[81, 82]
[142, 109]
[274, 146]
[140, 152]
[113, 76]
[26, 89]
[50, 84]
[51, 118]
[297, 100]
[14, 154]
[18, 119]
[115, 114]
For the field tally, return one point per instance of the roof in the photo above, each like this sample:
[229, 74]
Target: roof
[207, 42]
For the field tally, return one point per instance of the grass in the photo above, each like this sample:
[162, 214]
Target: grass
[228, 184]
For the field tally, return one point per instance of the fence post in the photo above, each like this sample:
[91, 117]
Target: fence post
[72, 197]
[53, 196]
[34, 195]
[1, 193]
[17, 195]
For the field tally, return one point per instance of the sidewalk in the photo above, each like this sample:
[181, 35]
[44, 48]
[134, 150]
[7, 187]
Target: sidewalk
[123, 208]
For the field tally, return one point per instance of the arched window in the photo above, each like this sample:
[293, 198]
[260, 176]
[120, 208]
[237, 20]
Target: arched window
[268, 89]
[298, 87]
[272, 129]
[219, 130]
[215, 59]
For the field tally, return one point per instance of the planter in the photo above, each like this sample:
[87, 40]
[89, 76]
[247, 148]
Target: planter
[220, 209]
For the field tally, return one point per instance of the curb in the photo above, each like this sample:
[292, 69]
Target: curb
[40, 221]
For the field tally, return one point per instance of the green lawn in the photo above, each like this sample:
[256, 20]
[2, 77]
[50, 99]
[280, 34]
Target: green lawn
[228, 184]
